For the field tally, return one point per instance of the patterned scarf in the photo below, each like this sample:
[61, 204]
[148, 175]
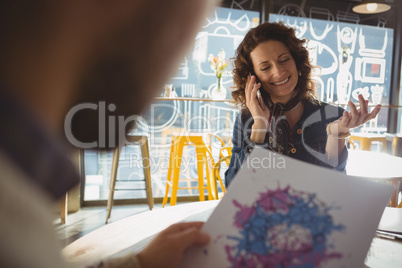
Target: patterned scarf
[281, 138]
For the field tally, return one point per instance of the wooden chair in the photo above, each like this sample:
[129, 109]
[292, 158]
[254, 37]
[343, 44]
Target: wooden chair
[216, 173]
[74, 155]
[63, 209]
[350, 143]
[225, 153]
[143, 142]
[225, 145]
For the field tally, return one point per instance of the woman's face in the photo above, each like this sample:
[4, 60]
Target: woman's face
[276, 70]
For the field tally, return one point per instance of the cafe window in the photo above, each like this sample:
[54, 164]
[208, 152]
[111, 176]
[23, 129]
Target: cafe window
[222, 31]
[353, 59]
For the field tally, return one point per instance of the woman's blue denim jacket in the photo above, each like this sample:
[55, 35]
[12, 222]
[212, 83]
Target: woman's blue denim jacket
[309, 134]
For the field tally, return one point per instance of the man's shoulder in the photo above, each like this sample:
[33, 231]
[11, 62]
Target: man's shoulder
[26, 226]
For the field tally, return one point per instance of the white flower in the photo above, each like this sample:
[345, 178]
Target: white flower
[218, 64]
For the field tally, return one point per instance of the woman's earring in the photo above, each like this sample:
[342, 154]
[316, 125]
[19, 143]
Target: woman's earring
[299, 73]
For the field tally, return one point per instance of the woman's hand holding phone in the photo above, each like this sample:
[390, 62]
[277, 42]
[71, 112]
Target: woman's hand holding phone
[254, 101]
[258, 110]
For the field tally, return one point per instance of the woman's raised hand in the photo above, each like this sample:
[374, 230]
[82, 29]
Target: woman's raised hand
[254, 101]
[258, 110]
[356, 117]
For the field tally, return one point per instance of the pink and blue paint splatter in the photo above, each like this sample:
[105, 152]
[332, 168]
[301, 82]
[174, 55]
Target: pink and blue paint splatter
[284, 228]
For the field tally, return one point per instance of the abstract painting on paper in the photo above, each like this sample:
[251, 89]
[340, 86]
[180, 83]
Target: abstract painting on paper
[280, 212]
[283, 227]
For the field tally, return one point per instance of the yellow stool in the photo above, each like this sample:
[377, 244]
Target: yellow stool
[143, 142]
[176, 153]
[365, 140]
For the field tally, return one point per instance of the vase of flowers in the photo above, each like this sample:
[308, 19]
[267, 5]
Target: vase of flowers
[218, 65]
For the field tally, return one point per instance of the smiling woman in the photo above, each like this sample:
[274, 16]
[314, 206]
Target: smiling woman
[276, 70]
[274, 88]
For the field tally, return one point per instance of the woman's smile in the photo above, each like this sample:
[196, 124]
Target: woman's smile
[281, 82]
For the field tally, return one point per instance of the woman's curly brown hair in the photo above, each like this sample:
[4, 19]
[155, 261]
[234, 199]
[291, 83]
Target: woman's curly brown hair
[262, 33]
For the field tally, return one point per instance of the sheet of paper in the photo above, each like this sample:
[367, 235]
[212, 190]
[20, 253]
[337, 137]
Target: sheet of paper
[391, 220]
[280, 212]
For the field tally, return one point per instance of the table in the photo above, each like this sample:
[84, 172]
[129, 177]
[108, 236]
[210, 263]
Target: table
[376, 166]
[387, 252]
[133, 233]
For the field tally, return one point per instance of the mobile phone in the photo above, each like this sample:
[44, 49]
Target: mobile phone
[256, 77]
[259, 97]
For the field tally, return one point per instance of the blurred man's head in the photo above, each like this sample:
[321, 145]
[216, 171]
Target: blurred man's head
[60, 54]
